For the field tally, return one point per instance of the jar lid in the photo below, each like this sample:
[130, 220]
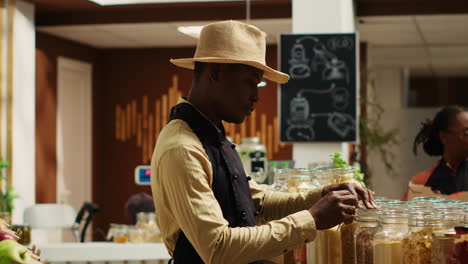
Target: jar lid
[444, 233]
[427, 198]
[251, 140]
[397, 212]
[20, 226]
[334, 169]
[395, 204]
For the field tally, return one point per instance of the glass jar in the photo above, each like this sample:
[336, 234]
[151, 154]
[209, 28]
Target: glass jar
[120, 234]
[24, 233]
[299, 180]
[136, 235]
[324, 175]
[464, 205]
[280, 182]
[460, 246]
[327, 244]
[442, 242]
[367, 226]
[464, 217]
[327, 247]
[450, 213]
[253, 155]
[331, 175]
[347, 242]
[395, 204]
[147, 222]
[113, 231]
[380, 203]
[426, 201]
[388, 239]
[417, 244]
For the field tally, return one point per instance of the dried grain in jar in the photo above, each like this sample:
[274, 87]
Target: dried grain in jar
[367, 226]
[417, 244]
[347, 242]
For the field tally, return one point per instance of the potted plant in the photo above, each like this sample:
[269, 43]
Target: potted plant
[7, 195]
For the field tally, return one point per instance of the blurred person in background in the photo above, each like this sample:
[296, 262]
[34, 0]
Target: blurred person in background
[445, 136]
[140, 202]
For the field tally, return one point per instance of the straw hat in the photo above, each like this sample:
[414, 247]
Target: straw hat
[233, 42]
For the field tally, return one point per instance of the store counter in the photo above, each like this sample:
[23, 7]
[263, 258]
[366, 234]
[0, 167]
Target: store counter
[104, 252]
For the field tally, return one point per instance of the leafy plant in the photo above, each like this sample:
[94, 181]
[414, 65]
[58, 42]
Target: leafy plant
[339, 162]
[378, 139]
[7, 193]
[374, 137]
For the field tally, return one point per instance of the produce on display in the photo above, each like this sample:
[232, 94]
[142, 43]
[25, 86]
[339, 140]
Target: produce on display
[11, 251]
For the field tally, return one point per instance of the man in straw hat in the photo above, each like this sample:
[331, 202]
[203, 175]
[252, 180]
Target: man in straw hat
[206, 205]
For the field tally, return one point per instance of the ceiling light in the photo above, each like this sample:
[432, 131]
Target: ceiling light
[193, 31]
[133, 2]
[262, 84]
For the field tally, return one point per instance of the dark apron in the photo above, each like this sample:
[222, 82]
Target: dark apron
[444, 181]
[230, 184]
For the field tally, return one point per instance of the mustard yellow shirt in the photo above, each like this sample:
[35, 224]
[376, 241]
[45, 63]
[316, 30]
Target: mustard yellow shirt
[181, 180]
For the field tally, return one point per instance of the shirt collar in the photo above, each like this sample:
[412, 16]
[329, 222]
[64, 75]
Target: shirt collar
[185, 100]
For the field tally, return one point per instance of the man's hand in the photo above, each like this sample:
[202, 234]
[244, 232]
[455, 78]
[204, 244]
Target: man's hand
[333, 209]
[365, 195]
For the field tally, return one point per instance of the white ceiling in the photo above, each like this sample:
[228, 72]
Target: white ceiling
[428, 45]
[145, 35]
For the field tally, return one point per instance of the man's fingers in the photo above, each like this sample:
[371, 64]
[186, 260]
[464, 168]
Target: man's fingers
[348, 218]
[349, 200]
[365, 196]
[341, 192]
[352, 189]
[371, 197]
[349, 209]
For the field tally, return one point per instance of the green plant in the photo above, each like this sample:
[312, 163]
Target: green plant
[7, 192]
[373, 136]
[339, 162]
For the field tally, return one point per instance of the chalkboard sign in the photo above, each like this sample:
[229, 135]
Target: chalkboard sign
[318, 104]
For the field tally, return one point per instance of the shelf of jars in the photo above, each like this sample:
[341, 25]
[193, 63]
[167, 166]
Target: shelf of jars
[421, 231]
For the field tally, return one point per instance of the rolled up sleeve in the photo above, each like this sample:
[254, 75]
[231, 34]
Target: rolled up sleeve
[273, 205]
[184, 185]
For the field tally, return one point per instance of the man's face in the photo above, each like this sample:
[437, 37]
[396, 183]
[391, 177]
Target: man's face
[236, 91]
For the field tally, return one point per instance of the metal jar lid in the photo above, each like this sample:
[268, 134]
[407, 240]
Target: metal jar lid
[444, 233]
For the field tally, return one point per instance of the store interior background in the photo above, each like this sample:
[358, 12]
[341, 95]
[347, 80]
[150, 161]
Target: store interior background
[408, 48]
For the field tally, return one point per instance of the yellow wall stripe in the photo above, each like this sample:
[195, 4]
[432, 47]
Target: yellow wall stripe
[10, 59]
[2, 39]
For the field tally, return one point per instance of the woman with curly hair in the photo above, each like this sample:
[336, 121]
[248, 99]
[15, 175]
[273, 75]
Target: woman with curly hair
[445, 136]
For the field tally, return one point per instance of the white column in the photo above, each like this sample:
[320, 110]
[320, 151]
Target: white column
[24, 108]
[321, 16]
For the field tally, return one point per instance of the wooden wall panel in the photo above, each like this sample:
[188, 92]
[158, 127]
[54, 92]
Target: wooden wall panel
[48, 49]
[147, 78]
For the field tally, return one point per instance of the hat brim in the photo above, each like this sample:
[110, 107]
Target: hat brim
[268, 73]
